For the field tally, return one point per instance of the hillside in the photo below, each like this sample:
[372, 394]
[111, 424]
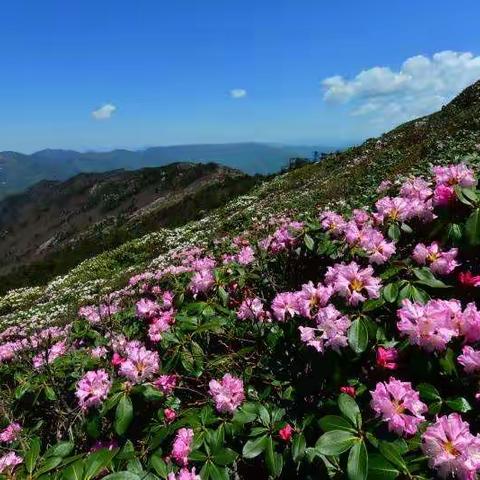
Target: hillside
[19, 171]
[55, 225]
[344, 180]
[324, 325]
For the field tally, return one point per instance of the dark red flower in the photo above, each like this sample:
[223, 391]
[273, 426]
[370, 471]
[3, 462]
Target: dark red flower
[117, 359]
[285, 433]
[387, 358]
[469, 280]
[349, 391]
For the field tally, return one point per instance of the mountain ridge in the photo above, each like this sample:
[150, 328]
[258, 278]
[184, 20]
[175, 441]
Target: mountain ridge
[19, 171]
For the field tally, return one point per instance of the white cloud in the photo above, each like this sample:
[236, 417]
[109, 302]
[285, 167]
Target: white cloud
[104, 112]
[421, 86]
[238, 93]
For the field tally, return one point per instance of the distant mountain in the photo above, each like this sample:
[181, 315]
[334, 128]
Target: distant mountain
[54, 225]
[19, 171]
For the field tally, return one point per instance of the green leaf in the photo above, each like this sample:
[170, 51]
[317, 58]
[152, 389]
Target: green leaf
[217, 473]
[380, 469]
[74, 471]
[334, 422]
[335, 442]
[264, 415]
[447, 362]
[225, 456]
[428, 392]
[159, 465]
[97, 461]
[426, 277]
[372, 304]
[61, 449]
[31, 456]
[413, 293]
[357, 466]
[348, 406]
[298, 447]
[391, 452]
[122, 476]
[472, 227]
[394, 232]
[253, 448]
[123, 415]
[358, 336]
[454, 232]
[390, 292]
[49, 464]
[310, 244]
[273, 459]
[459, 404]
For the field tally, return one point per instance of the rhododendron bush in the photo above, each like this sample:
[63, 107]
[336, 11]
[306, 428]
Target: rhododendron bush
[343, 346]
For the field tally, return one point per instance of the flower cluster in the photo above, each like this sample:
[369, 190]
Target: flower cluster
[433, 325]
[227, 393]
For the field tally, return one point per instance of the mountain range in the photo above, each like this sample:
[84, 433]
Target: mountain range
[53, 225]
[19, 171]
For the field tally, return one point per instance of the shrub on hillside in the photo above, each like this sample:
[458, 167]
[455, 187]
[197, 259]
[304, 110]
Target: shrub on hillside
[332, 346]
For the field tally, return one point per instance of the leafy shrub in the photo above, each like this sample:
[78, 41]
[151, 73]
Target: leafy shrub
[330, 346]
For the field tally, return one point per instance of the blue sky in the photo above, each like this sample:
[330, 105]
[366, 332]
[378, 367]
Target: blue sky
[164, 71]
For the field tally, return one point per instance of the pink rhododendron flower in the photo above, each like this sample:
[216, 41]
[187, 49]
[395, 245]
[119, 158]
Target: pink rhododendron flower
[96, 313]
[182, 446]
[375, 245]
[384, 186]
[166, 383]
[140, 364]
[160, 323]
[469, 323]
[93, 388]
[468, 280]
[246, 256]
[10, 433]
[454, 175]
[285, 433]
[99, 352]
[184, 474]
[253, 309]
[443, 195]
[352, 282]
[360, 217]
[311, 297]
[202, 281]
[55, 351]
[387, 358]
[146, 308]
[393, 208]
[283, 238]
[227, 393]
[441, 262]
[469, 359]
[399, 405]
[333, 222]
[430, 326]
[285, 306]
[9, 461]
[330, 331]
[416, 188]
[451, 448]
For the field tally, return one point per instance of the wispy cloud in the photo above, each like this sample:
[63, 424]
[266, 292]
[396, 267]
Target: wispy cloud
[422, 85]
[238, 93]
[104, 112]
